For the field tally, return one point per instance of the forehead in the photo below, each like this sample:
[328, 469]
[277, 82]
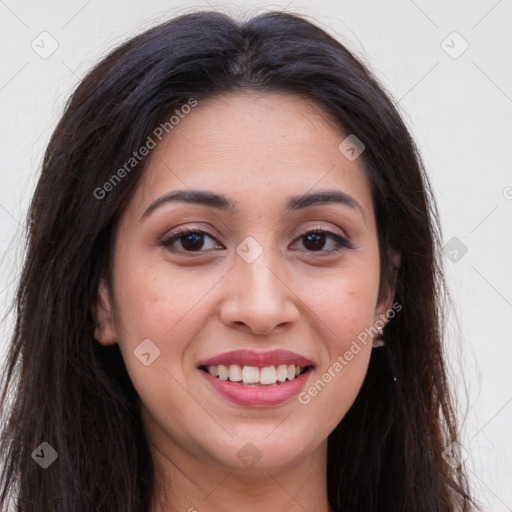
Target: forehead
[253, 148]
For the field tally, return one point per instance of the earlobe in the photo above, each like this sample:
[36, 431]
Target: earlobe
[104, 332]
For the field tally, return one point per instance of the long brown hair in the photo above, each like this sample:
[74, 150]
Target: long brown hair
[63, 388]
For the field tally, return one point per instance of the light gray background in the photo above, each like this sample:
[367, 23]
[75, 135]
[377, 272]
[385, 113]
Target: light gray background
[459, 110]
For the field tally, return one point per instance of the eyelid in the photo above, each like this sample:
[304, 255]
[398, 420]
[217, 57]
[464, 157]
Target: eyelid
[341, 241]
[324, 228]
[176, 233]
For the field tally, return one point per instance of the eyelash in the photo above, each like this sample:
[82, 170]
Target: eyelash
[341, 243]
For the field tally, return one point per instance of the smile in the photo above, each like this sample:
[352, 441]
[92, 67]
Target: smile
[257, 379]
[254, 376]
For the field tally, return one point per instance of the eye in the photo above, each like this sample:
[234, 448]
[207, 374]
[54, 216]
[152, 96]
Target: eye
[190, 240]
[196, 240]
[316, 240]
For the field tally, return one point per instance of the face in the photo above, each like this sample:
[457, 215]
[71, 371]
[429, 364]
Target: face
[267, 275]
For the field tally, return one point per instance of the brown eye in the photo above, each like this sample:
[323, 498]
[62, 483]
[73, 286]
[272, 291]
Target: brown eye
[190, 241]
[198, 241]
[316, 240]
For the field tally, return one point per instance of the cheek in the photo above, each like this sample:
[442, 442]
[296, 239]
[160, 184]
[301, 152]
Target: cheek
[155, 301]
[345, 308]
[346, 353]
[168, 308]
[345, 303]
[152, 303]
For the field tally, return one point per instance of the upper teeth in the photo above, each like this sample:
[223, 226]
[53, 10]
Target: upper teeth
[255, 375]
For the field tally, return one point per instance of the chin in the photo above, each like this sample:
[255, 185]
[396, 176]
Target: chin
[261, 452]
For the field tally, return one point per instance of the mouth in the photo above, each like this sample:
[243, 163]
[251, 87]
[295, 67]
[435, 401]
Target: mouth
[257, 379]
[254, 376]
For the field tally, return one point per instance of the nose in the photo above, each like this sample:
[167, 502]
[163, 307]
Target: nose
[259, 297]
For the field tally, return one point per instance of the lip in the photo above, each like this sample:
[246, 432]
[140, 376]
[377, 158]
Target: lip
[257, 396]
[264, 396]
[260, 359]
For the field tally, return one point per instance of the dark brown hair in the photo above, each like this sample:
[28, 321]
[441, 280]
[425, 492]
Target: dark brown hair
[62, 387]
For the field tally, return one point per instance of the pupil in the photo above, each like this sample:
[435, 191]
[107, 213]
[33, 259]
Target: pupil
[192, 241]
[317, 240]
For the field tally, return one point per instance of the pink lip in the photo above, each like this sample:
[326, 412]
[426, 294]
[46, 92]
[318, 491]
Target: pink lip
[261, 396]
[260, 359]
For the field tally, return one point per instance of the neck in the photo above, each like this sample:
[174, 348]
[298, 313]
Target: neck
[186, 484]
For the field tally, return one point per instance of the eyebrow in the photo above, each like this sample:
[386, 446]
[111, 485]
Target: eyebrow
[219, 202]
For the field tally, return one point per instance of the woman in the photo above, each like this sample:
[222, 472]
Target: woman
[232, 294]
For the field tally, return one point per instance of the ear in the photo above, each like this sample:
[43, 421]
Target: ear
[105, 331]
[388, 286]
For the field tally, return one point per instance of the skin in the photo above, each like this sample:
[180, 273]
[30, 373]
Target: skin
[256, 149]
